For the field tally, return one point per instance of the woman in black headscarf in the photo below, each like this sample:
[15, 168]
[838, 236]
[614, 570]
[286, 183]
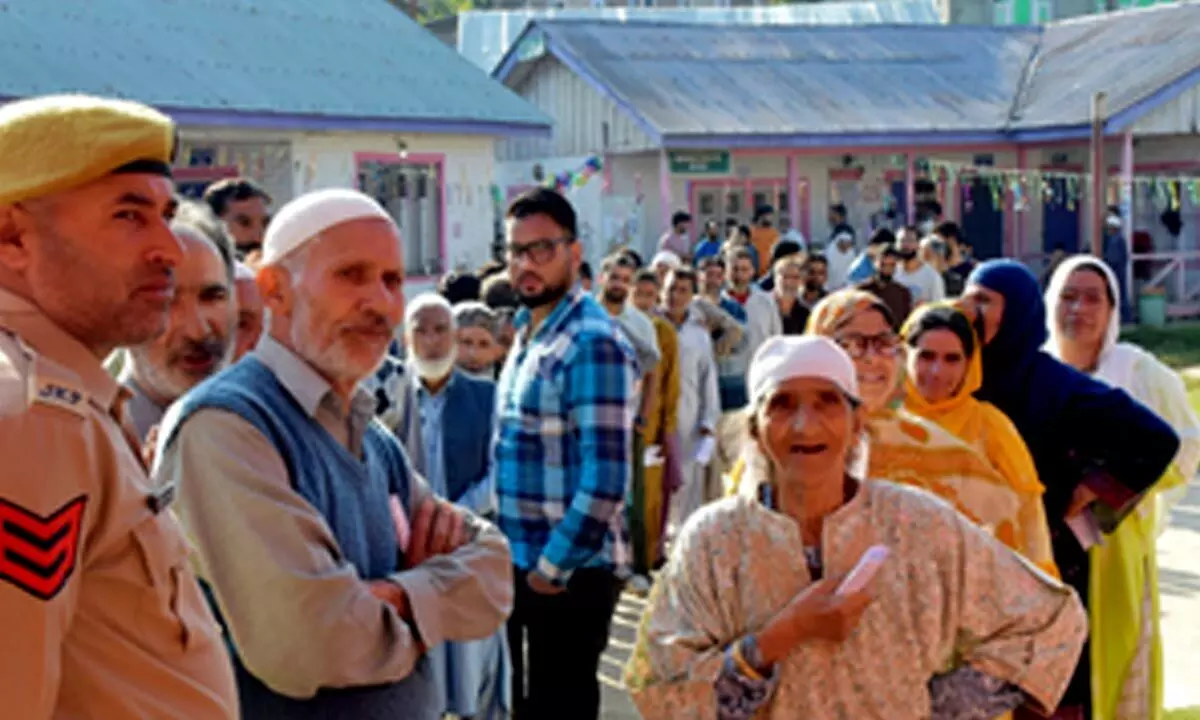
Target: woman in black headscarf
[1097, 450]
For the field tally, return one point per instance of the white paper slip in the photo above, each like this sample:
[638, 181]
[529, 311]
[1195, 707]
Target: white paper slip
[705, 449]
[1086, 529]
[653, 456]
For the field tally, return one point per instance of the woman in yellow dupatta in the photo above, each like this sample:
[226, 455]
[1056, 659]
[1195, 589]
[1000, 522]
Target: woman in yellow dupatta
[1126, 645]
[944, 369]
[905, 448]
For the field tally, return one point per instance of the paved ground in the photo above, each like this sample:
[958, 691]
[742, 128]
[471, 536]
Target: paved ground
[615, 702]
[1179, 587]
[1179, 584]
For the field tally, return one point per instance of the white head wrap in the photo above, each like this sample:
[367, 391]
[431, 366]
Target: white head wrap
[668, 258]
[313, 213]
[1115, 363]
[786, 357]
[241, 272]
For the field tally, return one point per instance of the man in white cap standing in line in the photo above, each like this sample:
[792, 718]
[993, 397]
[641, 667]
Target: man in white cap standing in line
[100, 615]
[332, 565]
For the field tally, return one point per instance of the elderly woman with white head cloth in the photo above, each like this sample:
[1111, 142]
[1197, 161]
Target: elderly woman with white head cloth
[750, 617]
[1084, 323]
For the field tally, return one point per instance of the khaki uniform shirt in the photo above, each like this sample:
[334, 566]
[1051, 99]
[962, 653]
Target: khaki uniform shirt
[299, 614]
[99, 613]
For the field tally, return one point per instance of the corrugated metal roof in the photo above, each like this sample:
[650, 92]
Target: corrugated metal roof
[795, 80]
[797, 83]
[336, 59]
[1128, 55]
[485, 35]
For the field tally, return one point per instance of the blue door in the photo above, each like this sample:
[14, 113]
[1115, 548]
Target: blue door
[982, 221]
[900, 193]
[1060, 218]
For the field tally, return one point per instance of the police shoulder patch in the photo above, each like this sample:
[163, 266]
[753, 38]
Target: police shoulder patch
[55, 386]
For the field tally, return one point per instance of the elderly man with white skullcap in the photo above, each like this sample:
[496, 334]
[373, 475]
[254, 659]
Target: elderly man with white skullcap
[332, 565]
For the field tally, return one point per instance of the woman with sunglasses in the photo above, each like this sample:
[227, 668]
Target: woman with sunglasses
[905, 448]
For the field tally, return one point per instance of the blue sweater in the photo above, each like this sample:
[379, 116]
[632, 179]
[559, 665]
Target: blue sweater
[352, 495]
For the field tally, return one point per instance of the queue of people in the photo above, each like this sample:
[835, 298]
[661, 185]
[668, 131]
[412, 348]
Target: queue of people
[248, 478]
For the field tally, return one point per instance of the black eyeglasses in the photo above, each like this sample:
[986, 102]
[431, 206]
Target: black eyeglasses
[856, 345]
[539, 251]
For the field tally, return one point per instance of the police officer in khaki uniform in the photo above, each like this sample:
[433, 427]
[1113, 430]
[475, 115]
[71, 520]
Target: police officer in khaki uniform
[100, 614]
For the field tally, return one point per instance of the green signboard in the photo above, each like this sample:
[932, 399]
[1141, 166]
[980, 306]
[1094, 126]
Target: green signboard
[711, 162]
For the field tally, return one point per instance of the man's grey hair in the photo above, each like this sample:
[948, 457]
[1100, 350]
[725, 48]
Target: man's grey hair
[475, 314]
[426, 301]
[199, 220]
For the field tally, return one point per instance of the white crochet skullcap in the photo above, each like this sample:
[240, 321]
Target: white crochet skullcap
[667, 258]
[787, 357]
[311, 214]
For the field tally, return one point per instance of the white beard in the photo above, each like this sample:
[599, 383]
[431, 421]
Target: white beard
[432, 369]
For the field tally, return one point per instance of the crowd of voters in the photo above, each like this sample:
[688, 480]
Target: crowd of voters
[244, 478]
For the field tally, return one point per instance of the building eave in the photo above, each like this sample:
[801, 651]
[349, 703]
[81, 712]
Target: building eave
[286, 122]
[835, 140]
[290, 122]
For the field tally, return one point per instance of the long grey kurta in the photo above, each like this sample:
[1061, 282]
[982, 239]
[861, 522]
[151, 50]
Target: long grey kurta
[300, 616]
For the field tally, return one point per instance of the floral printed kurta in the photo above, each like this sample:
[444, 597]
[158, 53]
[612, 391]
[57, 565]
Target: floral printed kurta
[949, 593]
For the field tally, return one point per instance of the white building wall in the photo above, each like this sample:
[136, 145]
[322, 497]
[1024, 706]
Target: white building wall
[325, 160]
[585, 121]
[588, 200]
[1181, 116]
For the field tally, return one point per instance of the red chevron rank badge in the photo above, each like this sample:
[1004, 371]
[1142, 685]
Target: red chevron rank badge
[38, 554]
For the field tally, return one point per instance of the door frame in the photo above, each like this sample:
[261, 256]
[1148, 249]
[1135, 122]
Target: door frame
[748, 187]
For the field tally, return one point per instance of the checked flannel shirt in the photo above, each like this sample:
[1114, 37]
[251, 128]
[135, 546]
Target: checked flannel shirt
[562, 455]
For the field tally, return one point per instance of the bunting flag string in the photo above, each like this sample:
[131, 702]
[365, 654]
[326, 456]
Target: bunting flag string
[577, 178]
[1068, 188]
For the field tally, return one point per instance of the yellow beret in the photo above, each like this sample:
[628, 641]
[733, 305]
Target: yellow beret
[57, 142]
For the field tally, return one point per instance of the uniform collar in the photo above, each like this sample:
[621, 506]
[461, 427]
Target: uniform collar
[58, 346]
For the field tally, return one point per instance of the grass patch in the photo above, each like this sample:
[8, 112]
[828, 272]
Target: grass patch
[1192, 713]
[1177, 344]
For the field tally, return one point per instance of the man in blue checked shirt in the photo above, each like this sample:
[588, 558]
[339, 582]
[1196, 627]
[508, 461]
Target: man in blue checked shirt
[566, 406]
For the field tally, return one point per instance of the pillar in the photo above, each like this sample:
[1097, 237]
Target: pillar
[910, 195]
[793, 190]
[1127, 206]
[664, 190]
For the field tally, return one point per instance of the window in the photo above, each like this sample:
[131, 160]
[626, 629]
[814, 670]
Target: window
[411, 191]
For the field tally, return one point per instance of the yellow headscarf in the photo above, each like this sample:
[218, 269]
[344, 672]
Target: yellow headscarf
[910, 450]
[979, 424]
[990, 433]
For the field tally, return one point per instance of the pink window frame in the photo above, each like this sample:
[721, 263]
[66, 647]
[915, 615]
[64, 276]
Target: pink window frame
[438, 160]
